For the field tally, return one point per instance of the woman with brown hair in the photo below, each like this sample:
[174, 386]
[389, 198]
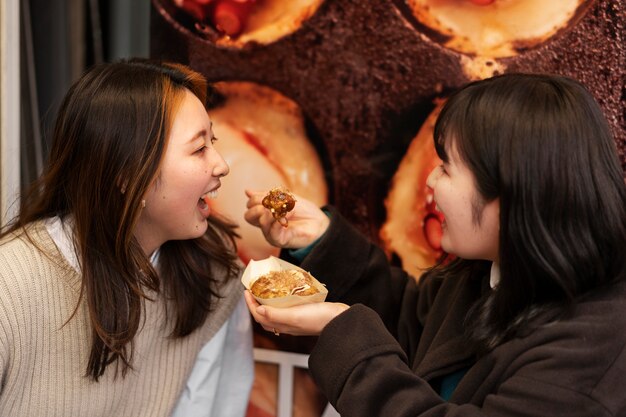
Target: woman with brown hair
[115, 277]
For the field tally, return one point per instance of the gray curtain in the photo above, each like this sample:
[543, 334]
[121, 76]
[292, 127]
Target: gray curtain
[59, 40]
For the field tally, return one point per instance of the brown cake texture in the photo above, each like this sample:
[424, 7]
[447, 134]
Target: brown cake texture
[276, 284]
[366, 75]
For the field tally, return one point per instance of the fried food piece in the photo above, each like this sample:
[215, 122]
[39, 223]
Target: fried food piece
[279, 201]
[277, 284]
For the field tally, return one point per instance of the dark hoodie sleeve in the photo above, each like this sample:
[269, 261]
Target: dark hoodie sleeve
[357, 271]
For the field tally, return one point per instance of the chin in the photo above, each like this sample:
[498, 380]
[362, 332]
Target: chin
[446, 247]
[200, 229]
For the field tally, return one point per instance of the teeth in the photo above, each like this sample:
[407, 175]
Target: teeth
[211, 195]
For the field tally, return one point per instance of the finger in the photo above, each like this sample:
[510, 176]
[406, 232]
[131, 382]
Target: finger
[253, 215]
[276, 233]
[253, 201]
[255, 309]
[252, 193]
[253, 305]
[254, 198]
[266, 220]
[271, 329]
[250, 301]
[277, 317]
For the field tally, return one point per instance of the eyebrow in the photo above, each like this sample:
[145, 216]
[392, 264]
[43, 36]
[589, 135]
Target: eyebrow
[201, 133]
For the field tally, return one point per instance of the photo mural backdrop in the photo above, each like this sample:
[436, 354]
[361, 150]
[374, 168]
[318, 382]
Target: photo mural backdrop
[336, 100]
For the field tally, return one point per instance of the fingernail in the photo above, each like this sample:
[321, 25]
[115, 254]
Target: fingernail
[260, 310]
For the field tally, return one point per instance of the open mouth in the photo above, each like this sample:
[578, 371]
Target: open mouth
[204, 201]
[433, 230]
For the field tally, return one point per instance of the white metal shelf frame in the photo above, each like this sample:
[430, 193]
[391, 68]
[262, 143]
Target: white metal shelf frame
[286, 362]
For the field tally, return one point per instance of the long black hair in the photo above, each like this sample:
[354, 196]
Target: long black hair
[542, 146]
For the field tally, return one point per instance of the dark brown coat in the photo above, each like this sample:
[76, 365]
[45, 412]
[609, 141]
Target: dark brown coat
[385, 359]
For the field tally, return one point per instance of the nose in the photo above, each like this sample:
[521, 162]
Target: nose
[432, 178]
[220, 169]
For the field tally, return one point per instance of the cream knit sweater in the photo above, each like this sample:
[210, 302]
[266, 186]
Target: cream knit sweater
[44, 350]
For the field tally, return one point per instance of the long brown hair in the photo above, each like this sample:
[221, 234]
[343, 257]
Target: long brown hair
[109, 139]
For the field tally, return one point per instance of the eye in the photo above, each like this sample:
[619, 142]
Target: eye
[213, 139]
[200, 150]
[442, 167]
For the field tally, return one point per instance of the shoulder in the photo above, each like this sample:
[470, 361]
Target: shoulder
[20, 252]
[17, 239]
[20, 261]
[32, 242]
[585, 351]
[596, 323]
[28, 262]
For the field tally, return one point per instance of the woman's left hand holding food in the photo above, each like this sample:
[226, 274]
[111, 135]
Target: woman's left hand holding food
[300, 320]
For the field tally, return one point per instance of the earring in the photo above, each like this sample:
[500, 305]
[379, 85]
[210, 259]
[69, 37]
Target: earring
[123, 187]
[143, 203]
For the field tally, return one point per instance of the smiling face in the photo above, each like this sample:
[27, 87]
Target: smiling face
[189, 174]
[471, 225]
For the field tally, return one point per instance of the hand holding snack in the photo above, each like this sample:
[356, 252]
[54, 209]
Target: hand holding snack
[300, 320]
[307, 222]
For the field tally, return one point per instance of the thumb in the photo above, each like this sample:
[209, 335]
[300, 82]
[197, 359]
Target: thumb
[261, 311]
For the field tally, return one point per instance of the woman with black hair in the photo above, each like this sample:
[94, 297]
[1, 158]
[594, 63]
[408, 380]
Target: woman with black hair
[528, 320]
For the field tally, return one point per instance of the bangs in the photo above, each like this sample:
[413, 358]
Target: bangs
[448, 131]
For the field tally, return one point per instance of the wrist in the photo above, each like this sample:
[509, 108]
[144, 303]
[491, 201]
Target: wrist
[323, 225]
[336, 311]
[300, 253]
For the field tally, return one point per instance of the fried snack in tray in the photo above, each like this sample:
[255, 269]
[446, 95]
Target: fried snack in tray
[282, 283]
[279, 201]
[278, 283]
